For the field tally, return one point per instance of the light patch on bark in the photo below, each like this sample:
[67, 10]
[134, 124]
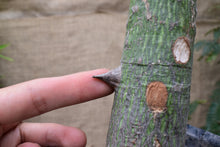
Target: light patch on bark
[156, 97]
[134, 9]
[194, 12]
[147, 6]
[181, 50]
[156, 143]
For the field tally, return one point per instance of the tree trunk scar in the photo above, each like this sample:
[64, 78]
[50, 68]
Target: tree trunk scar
[172, 25]
[181, 50]
[156, 97]
[194, 12]
[134, 8]
[156, 142]
[147, 6]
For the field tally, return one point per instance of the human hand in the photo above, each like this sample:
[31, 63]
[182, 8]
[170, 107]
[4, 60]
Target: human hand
[35, 97]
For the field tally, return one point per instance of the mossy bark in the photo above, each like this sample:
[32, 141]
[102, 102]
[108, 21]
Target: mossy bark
[155, 29]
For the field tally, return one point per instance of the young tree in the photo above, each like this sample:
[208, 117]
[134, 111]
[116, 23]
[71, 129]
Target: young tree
[152, 85]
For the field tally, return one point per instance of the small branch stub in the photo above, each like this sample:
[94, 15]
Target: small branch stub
[156, 97]
[181, 50]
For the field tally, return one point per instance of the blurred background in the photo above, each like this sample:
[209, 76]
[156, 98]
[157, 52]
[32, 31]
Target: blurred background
[55, 38]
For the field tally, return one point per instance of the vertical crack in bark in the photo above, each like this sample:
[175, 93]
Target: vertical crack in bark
[112, 77]
[147, 6]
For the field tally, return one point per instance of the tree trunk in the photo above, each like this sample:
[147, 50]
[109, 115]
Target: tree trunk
[152, 86]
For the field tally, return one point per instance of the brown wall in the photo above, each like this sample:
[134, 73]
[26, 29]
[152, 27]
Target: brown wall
[54, 38]
[204, 74]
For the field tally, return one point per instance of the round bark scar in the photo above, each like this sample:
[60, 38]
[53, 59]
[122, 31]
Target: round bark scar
[181, 50]
[156, 97]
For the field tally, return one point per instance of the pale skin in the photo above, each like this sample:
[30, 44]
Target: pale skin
[36, 97]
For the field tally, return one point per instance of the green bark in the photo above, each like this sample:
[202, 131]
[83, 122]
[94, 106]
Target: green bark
[152, 30]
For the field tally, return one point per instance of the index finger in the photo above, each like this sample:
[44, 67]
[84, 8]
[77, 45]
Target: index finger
[35, 97]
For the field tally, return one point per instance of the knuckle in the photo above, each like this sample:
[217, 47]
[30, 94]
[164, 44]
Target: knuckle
[38, 102]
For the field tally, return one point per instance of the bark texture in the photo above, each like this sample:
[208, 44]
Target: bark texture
[152, 98]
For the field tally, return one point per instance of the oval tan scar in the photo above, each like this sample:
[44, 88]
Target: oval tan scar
[156, 96]
[181, 50]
